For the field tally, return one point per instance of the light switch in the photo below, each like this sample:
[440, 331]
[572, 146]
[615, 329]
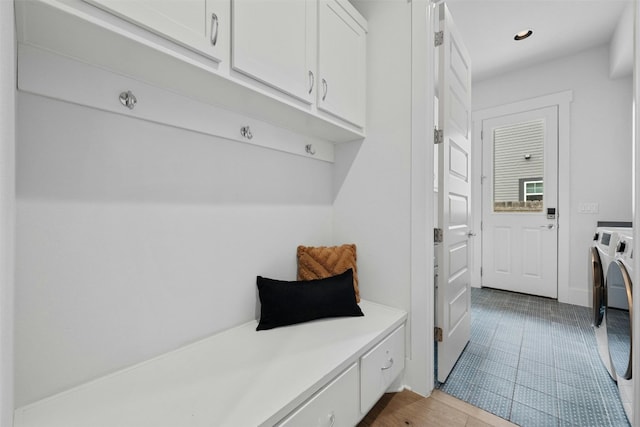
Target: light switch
[588, 207]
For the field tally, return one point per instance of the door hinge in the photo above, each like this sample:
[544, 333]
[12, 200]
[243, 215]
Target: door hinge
[437, 334]
[481, 135]
[481, 223]
[438, 136]
[438, 38]
[480, 271]
[437, 235]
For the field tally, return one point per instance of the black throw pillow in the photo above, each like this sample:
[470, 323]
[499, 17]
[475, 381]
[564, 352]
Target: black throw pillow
[290, 302]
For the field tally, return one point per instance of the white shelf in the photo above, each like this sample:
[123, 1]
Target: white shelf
[58, 77]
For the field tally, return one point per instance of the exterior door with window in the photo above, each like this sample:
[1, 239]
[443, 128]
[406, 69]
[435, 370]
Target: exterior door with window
[519, 202]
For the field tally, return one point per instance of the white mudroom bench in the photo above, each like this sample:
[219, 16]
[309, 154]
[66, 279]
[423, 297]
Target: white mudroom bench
[328, 372]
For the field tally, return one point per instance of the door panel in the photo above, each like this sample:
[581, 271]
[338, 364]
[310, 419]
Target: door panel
[502, 250]
[459, 160]
[531, 250]
[453, 299]
[458, 210]
[520, 173]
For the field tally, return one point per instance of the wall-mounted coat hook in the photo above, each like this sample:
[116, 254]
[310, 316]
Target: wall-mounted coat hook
[128, 99]
[245, 131]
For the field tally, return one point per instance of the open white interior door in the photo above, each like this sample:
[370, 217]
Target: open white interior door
[453, 294]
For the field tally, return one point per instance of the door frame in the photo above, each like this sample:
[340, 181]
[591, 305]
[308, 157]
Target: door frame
[563, 101]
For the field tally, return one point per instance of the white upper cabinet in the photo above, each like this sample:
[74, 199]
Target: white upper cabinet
[199, 25]
[297, 64]
[342, 61]
[274, 42]
[314, 50]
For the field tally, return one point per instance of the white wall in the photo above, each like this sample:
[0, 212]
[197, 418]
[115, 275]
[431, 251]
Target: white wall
[378, 203]
[372, 204]
[600, 148]
[135, 238]
[621, 46]
[7, 207]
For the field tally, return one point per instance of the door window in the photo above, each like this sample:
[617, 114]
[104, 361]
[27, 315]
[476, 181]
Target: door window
[518, 167]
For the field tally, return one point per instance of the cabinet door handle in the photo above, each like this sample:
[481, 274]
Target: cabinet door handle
[214, 29]
[332, 418]
[312, 81]
[325, 89]
[384, 368]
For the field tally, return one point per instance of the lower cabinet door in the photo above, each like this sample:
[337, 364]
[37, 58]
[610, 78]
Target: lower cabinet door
[336, 405]
[380, 367]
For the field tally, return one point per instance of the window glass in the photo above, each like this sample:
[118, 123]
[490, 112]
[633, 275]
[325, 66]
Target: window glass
[518, 167]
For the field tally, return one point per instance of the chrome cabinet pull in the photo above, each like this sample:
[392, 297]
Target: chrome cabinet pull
[384, 368]
[312, 81]
[214, 33]
[325, 89]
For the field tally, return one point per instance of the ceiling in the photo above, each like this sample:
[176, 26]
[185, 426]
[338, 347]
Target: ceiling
[561, 27]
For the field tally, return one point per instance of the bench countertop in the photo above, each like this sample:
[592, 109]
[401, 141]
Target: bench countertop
[239, 377]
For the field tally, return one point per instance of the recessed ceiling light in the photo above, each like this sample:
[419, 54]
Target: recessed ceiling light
[523, 35]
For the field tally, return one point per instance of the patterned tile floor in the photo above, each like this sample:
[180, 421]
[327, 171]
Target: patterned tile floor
[534, 361]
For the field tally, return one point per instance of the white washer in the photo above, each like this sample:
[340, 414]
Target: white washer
[601, 254]
[616, 294]
[619, 319]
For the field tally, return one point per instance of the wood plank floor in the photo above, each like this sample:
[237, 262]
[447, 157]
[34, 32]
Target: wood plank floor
[408, 409]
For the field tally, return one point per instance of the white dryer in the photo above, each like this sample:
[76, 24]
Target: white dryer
[601, 254]
[619, 320]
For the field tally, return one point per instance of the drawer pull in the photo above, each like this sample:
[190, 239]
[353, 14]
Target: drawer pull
[214, 24]
[332, 418]
[384, 368]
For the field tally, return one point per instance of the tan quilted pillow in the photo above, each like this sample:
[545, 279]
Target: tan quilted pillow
[325, 261]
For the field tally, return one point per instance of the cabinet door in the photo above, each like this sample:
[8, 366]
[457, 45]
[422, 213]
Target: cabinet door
[380, 367]
[336, 405]
[199, 25]
[274, 41]
[342, 61]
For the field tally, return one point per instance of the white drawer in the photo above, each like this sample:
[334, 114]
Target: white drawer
[380, 367]
[335, 405]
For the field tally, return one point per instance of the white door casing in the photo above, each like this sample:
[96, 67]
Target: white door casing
[520, 246]
[453, 295]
